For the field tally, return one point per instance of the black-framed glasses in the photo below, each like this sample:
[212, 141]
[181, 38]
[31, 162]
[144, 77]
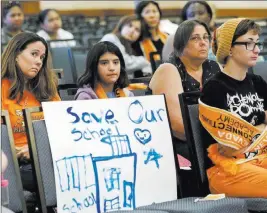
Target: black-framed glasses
[197, 38]
[250, 45]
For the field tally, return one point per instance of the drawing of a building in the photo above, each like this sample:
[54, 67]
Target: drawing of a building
[113, 182]
[115, 175]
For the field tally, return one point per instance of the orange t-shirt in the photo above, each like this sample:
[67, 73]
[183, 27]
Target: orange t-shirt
[15, 111]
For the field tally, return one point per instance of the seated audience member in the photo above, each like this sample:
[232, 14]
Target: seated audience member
[105, 75]
[50, 22]
[27, 80]
[127, 31]
[165, 25]
[152, 39]
[187, 70]
[12, 18]
[198, 10]
[237, 169]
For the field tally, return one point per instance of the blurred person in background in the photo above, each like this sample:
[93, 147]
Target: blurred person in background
[127, 31]
[198, 10]
[51, 24]
[165, 25]
[152, 39]
[12, 20]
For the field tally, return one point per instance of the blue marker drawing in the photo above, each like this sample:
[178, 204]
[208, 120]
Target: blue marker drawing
[112, 178]
[128, 194]
[115, 181]
[88, 166]
[88, 117]
[114, 175]
[111, 204]
[143, 136]
[135, 112]
[152, 117]
[119, 144]
[69, 169]
[78, 133]
[86, 135]
[110, 117]
[158, 112]
[152, 155]
[64, 179]
[78, 204]
[75, 173]
[89, 201]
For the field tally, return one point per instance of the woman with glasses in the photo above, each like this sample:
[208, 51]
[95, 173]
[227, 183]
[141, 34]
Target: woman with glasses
[235, 167]
[187, 70]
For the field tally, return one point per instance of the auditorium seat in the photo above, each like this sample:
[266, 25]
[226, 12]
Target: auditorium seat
[17, 201]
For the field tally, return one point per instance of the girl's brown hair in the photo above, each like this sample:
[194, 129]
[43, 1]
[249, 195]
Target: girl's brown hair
[125, 20]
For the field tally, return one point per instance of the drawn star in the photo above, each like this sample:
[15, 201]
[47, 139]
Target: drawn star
[152, 155]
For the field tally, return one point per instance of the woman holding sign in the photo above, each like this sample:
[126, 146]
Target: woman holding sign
[27, 80]
[105, 75]
[233, 110]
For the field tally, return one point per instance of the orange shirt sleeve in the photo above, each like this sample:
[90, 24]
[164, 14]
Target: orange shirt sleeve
[4, 95]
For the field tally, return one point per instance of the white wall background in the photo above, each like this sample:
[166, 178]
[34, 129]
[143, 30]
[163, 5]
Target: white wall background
[76, 5]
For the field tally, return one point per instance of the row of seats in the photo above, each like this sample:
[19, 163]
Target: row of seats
[44, 173]
[86, 28]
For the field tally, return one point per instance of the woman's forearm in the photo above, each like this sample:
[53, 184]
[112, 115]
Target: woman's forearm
[261, 127]
[179, 135]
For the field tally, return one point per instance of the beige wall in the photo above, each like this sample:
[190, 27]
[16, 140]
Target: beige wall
[77, 5]
[240, 4]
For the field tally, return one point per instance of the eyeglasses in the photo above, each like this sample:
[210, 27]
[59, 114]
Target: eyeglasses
[250, 45]
[196, 39]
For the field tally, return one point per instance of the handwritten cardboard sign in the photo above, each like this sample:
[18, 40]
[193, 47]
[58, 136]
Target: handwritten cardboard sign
[111, 154]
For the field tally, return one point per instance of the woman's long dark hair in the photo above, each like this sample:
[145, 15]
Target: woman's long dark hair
[43, 85]
[90, 76]
[138, 12]
[125, 20]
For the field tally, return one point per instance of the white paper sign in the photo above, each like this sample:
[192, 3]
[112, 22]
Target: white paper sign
[111, 154]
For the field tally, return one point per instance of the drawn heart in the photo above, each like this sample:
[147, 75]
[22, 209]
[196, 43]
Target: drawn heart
[143, 136]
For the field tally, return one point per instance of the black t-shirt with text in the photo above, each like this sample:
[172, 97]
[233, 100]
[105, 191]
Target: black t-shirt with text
[246, 98]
